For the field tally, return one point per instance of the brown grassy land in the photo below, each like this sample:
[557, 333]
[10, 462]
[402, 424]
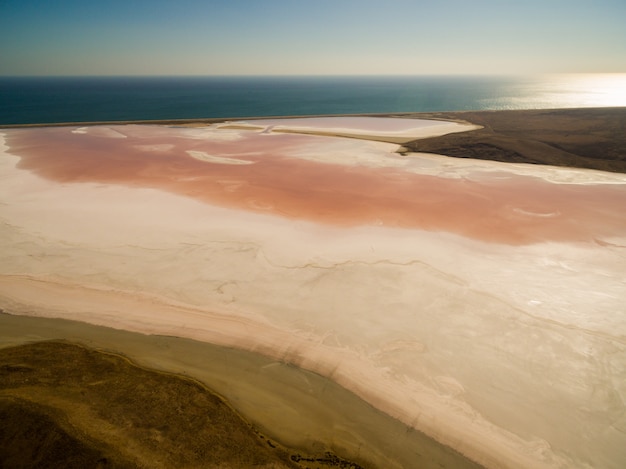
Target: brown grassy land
[582, 138]
[63, 405]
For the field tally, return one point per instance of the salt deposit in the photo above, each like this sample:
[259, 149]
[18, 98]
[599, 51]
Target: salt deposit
[478, 302]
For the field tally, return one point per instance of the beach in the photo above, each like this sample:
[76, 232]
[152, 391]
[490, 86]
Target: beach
[475, 301]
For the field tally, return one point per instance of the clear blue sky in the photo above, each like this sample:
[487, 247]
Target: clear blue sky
[321, 37]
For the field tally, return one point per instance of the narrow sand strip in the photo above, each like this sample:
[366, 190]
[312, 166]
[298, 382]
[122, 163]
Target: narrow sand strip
[203, 156]
[384, 129]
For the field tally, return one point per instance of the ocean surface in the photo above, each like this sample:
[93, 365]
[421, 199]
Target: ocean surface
[26, 100]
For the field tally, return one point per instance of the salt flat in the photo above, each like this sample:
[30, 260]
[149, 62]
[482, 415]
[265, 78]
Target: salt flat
[476, 301]
[364, 127]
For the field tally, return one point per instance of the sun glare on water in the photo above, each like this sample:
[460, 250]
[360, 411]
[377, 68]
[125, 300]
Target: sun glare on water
[563, 91]
[587, 90]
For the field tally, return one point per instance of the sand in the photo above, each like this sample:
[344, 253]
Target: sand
[477, 302]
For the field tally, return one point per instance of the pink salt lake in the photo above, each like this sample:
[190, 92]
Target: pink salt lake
[317, 178]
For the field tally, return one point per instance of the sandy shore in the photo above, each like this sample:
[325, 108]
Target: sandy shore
[477, 302]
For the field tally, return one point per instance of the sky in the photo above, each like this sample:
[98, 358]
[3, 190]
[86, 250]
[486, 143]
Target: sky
[311, 37]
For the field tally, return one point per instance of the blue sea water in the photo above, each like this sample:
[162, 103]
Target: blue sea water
[83, 99]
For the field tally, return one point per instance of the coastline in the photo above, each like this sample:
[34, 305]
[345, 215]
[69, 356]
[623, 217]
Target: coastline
[567, 137]
[326, 347]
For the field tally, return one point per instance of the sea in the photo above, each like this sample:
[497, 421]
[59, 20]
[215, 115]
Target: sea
[37, 100]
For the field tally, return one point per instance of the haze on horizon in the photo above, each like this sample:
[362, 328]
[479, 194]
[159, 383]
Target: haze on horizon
[297, 37]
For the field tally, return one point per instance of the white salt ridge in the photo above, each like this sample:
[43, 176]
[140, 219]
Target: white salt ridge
[203, 156]
[445, 166]
[155, 148]
[99, 131]
[364, 126]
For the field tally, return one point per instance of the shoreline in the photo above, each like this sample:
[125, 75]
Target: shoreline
[535, 136]
[305, 406]
[201, 121]
[222, 275]
[136, 314]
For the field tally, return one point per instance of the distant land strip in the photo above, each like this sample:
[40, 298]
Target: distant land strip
[591, 138]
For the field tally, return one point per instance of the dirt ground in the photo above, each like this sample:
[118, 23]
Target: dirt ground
[582, 138]
[63, 405]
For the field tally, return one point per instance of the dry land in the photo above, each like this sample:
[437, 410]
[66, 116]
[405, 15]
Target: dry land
[63, 405]
[580, 138]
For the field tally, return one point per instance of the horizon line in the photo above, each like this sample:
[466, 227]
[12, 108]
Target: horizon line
[330, 75]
